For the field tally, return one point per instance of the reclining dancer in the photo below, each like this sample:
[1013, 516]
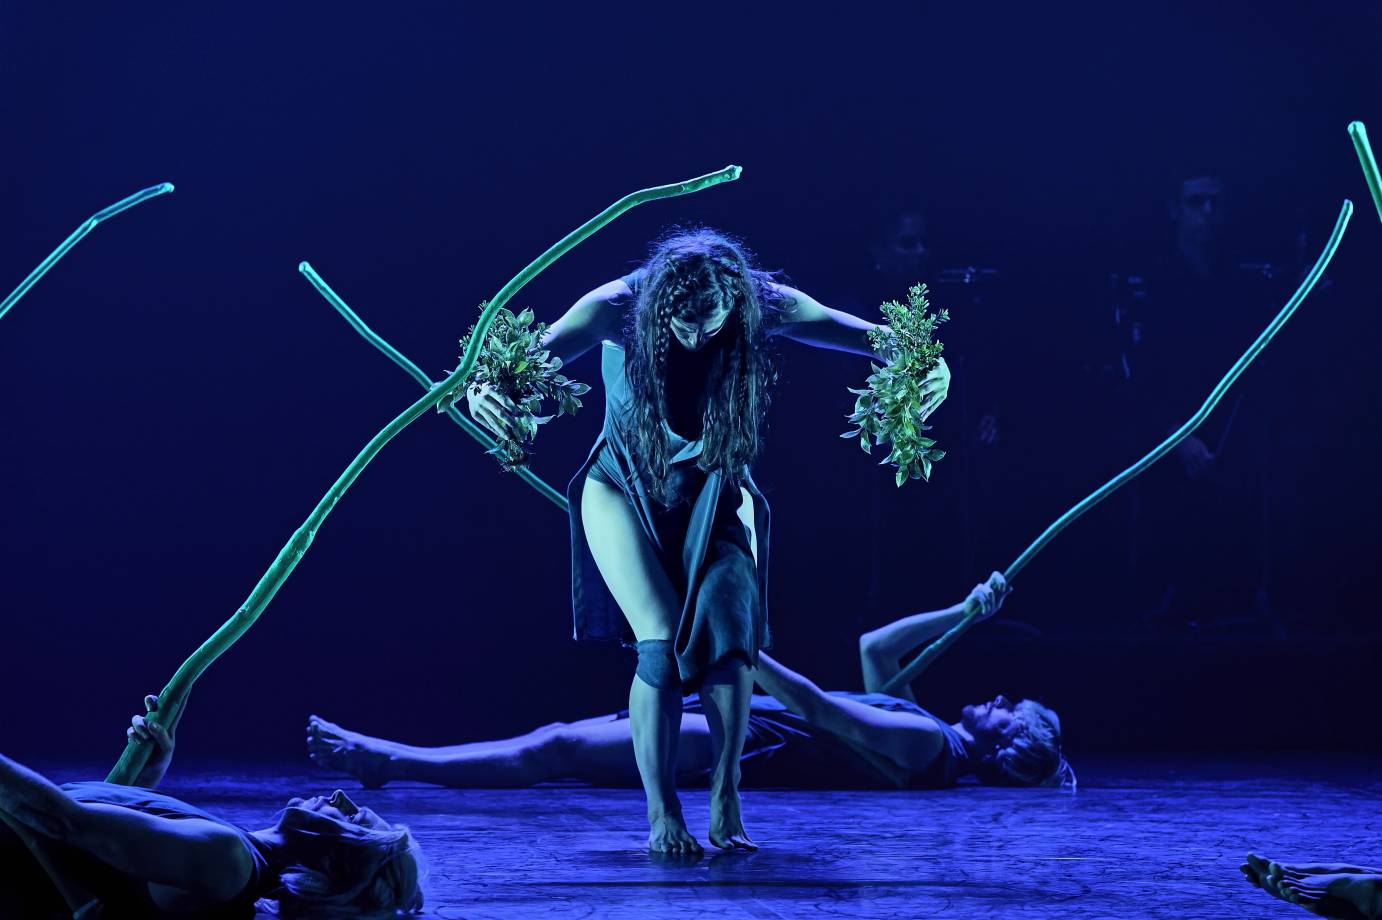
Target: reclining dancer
[127, 851]
[800, 737]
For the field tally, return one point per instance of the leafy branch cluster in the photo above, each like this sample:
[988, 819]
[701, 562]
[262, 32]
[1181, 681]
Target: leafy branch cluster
[889, 406]
[514, 363]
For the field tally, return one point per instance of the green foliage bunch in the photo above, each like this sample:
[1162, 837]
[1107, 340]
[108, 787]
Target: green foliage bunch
[514, 363]
[889, 407]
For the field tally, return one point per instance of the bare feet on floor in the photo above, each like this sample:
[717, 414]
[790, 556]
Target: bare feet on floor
[667, 832]
[365, 758]
[1329, 890]
[727, 822]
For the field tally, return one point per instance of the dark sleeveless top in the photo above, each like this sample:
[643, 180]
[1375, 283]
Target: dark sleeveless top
[699, 539]
[126, 896]
[783, 749]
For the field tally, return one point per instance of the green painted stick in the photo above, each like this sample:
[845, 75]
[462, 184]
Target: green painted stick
[397, 357]
[174, 695]
[939, 646]
[87, 226]
[1360, 144]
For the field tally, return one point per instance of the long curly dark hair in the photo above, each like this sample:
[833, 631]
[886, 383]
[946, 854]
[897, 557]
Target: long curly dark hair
[707, 269]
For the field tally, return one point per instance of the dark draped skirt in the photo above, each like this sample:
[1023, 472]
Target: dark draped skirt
[701, 542]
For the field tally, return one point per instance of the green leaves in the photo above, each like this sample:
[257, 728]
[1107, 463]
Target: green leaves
[516, 365]
[888, 408]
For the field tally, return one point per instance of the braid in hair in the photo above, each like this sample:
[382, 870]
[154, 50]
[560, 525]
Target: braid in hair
[663, 342]
[703, 264]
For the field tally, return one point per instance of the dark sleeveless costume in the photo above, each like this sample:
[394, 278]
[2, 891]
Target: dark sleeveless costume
[783, 750]
[25, 886]
[700, 541]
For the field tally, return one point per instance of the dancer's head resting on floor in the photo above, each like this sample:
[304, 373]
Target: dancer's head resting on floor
[346, 861]
[1017, 744]
[701, 292]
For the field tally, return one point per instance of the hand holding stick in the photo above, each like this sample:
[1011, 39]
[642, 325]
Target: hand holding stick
[938, 647]
[174, 695]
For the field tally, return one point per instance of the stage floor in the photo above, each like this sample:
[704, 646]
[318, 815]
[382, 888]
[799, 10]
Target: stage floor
[1144, 837]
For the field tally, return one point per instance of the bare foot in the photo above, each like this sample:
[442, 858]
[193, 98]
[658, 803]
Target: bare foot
[1330, 890]
[1258, 872]
[667, 833]
[727, 822]
[365, 758]
[1301, 870]
[1339, 895]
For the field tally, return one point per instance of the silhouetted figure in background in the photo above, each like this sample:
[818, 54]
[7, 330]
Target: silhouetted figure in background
[903, 252]
[1199, 523]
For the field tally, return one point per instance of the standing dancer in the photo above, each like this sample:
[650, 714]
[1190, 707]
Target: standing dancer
[669, 533]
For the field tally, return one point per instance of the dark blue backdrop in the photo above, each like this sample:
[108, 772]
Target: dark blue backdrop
[174, 397]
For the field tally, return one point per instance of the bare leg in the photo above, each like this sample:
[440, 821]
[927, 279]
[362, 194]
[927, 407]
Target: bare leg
[727, 693]
[653, 726]
[598, 751]
[644, 593]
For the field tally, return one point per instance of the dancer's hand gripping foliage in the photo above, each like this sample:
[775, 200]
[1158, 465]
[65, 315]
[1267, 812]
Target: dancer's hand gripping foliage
[894, 405]
[173, 696]
[512, 377]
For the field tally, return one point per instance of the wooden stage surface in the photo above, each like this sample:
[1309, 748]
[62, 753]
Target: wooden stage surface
[1147, 836]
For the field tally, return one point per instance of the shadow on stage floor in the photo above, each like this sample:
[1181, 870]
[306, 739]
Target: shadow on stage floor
[1145, 837]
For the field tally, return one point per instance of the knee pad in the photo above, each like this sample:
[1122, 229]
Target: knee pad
[657, 666]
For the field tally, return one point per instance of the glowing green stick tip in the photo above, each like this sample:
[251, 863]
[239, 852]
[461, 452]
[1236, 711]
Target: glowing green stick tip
[1360, 144]
[86, 227]
[939, 646]
[153, 191]
[174, 694]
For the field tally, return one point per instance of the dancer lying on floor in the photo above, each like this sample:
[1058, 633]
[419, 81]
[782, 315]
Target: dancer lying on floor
[800, 736]
[1330, 890]
[127, 851]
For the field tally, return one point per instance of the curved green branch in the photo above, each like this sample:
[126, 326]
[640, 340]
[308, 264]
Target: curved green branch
[1360, 144]
[86, 227]
[397, 357]
[939, 646]
[174, 695]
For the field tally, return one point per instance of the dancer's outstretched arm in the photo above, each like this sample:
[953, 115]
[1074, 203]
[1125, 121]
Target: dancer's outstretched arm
[806, 320]
[590, 320]
[193, 854]
[881, 650]
[595, 317]
[78, 899]
[903, 739]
